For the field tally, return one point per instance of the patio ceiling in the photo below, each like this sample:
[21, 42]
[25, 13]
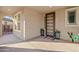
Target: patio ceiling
[46, 9]
[9, 9]
[42, 9]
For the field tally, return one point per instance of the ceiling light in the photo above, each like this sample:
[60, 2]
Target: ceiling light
[8, 9]
[50, 6]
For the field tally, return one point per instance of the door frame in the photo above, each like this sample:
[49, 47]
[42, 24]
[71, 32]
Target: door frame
[53, 21]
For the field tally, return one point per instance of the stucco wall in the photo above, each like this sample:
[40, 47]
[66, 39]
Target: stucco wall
[0, 28]
[1, 18]
[19, 33]
[60, 24]
[34, 22]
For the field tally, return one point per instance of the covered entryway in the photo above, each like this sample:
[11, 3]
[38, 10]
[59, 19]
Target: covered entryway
[26, 30]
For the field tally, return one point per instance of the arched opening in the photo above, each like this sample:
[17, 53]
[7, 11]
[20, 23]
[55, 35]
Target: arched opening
[7, 25]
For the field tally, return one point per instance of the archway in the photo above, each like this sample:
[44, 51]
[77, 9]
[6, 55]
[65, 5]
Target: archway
[7, 25]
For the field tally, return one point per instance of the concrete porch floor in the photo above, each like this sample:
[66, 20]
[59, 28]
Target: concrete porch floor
[9, 39]
[41, 44]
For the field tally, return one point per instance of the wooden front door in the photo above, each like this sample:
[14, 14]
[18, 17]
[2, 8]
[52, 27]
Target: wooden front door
[50, 24]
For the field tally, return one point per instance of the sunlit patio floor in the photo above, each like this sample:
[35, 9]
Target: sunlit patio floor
[40, 44]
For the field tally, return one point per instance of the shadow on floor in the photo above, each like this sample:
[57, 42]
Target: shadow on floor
[41, 40]
[13, 49]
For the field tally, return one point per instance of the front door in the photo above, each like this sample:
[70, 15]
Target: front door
[50, 24]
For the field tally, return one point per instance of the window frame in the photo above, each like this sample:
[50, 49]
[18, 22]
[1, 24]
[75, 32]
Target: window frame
[71, 23]
[17, 21]
[66, 17]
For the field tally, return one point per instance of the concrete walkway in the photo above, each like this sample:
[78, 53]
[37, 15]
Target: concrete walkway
[9, 39]
[37, 45]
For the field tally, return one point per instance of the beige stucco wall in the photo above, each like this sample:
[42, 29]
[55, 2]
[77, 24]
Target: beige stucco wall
[60, 24]
[1, 18]
[0, 28]
[19, 33]
[34, 22]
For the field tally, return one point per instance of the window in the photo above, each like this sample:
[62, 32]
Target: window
[17, 21]
[72, 17]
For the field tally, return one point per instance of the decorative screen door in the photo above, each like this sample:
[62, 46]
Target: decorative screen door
[50, 24]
